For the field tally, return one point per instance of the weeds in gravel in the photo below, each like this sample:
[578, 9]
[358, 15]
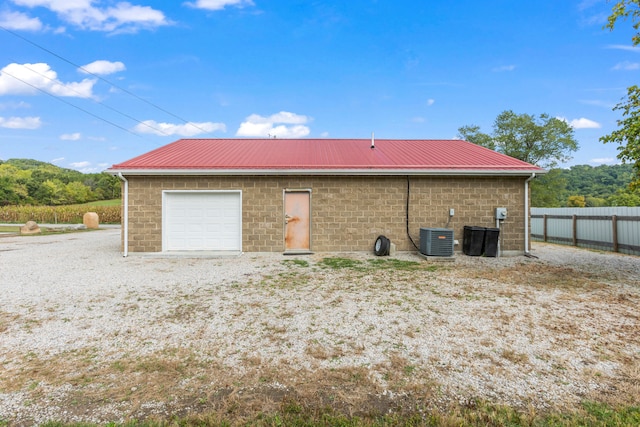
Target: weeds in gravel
[515, 357]
[296, 262]
[208, 390]
[541, 277]
[338, 263]
[294, 413]
[7, 319]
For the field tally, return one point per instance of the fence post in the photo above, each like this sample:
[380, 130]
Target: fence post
[575, 230]
[614, 227]
[544, 227]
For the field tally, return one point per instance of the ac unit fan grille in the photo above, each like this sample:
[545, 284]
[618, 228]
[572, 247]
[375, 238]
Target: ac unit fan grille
[436, 241]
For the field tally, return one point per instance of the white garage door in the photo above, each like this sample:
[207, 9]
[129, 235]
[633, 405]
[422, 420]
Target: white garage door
[202, 221]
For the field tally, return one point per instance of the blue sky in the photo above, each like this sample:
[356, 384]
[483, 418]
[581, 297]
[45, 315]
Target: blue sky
[85, 84]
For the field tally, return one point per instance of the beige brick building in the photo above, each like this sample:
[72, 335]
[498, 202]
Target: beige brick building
[318, 195]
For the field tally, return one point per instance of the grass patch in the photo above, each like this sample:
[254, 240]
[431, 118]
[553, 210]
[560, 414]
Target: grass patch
[339, 263]
[296, 262]
[61, 230]
[398, 264]
[295, 413]
[44, 231]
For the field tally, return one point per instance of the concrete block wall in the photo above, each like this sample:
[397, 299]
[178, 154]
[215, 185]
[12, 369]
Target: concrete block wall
[347, 213]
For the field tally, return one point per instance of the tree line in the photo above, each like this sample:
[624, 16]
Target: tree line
[547, 141]
[585, 186]
[27, 181]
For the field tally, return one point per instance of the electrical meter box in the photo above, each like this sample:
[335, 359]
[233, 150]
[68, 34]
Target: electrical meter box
[501, 213]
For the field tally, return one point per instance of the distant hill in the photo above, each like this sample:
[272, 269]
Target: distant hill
[584, 185]
[28, 181]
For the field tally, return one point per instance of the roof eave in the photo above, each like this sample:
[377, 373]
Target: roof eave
[333, 172]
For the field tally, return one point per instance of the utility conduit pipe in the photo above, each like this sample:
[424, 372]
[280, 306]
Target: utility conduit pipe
[526, 213]
[125, 214]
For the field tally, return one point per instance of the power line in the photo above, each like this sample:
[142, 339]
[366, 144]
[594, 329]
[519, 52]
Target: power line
[72, 105]
[101, 78]
[94, 100]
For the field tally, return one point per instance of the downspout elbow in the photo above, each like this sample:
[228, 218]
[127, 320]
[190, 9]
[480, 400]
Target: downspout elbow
[125, 215]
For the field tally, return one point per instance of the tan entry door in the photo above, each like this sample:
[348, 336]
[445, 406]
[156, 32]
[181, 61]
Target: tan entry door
[297, 225]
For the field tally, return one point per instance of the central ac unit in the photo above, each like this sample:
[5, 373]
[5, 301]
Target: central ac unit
[436, 241]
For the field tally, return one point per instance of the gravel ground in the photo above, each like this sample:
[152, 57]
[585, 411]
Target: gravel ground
[87, 335]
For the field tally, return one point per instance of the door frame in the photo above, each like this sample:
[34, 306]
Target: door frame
[165, 218]
[284, 224]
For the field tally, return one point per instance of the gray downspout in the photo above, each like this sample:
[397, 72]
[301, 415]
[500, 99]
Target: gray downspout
[125, 214]
[526, 213]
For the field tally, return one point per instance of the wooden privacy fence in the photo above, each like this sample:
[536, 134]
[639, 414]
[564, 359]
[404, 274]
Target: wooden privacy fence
[615, 229]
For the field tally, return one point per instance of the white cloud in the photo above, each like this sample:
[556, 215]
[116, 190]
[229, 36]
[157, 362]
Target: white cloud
[71, 136]
[581, 123]
[418, 120]
[598, 103]
[103, 67]
[275, 126]
[430, 102]
[122, 17]
[28, 78]
[20, 122]
[14, 105]
[624, 47]
[603, 161]
[84, 167]
[504, 68]
[57, 160]
[80, 164]
[324, 135]
[187, 129]
[218, 4]
[627, 66]
[19, 21]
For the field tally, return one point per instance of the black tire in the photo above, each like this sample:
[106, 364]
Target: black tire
[381, 246]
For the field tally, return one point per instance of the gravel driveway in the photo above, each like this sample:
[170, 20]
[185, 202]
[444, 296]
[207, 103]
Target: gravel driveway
[87, 335]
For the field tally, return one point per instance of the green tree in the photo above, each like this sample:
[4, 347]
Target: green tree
[51, 192]
[472, 134]
[625, 9]
[27, 181]
[77, 192]
[549, 190]
[13, 184]
[544, 141]
[107, 186]
[628, 133]
[594, 202]
[576, 202]
[8, 195]
[627, 136]
[626, 197]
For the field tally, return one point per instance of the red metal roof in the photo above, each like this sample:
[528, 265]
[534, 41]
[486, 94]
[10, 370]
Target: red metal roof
[322, 155]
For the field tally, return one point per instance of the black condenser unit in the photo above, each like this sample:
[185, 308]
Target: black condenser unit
[436, 241]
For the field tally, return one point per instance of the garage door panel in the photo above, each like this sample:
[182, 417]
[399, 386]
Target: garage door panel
[204, 221]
